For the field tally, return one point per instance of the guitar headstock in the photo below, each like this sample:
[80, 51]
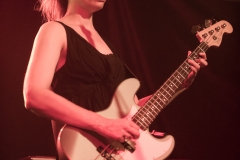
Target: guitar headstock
[212, 35]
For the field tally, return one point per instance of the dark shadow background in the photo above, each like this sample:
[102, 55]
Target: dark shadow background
[153, 38]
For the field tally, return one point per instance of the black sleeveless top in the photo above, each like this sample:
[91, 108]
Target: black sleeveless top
[88, 78]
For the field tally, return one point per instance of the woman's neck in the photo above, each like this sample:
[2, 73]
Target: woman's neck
[76, 15]
[78, 20]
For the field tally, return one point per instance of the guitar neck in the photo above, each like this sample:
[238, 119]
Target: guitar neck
[159, 100]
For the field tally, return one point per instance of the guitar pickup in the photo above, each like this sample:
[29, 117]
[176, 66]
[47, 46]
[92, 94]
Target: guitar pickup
[104, 153]
[129, 145]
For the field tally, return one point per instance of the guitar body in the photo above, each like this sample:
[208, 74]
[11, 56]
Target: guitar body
[78, 144]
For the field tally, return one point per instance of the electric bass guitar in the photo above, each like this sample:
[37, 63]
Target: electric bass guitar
[79, 144]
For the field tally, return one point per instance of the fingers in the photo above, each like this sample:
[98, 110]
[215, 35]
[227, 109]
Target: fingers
[202, 63]
[202, 60]
[203, 55]
[131, 130]
[120, 129]
[134, 125]
[128, 134]
[199, 62]
[195, 66]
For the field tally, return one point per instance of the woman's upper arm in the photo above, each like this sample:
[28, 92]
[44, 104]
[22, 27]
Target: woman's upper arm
[45, 55]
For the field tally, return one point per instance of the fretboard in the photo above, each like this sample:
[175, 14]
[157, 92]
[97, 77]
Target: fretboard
[160, 99]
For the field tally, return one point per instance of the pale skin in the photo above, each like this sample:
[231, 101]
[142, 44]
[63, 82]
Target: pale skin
[45, 60]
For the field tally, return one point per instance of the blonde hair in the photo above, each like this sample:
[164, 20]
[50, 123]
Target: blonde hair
[52, 10]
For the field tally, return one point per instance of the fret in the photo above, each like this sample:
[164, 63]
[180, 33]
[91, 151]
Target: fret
[178, 80]
[158, 106]
[140, 123]
[170, 87]
[194, 55]
[151, 115]
[147, 112]
[186, 66]
[155, 107]
[175, 80]
[183, 76]
[206, 46]
[161, 103]
[141, 116]
[165, 91]
[180, 75]
[162, 100]
[173, 77]
[186, 69]
[201, 49]
[136, 121]
[145, 120]
[173, 83]
[166, 94]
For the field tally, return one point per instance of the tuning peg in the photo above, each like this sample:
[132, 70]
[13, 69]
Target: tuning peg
[195, 29]
[208, 23]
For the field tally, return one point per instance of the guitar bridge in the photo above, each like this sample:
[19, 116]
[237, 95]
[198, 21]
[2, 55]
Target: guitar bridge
[128, 145]
[121, 146]
[112, 149]
[104, 153]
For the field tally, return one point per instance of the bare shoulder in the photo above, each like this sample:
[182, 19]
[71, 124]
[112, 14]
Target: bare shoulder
[51, 30]
[52, 25]
[51, 33]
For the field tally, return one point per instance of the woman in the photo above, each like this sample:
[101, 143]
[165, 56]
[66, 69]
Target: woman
[73, 71]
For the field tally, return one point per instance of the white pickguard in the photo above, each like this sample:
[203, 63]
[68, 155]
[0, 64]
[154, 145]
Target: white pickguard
[77, 144]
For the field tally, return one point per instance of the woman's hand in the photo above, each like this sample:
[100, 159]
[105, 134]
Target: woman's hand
[195, 66]
[118, 129]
